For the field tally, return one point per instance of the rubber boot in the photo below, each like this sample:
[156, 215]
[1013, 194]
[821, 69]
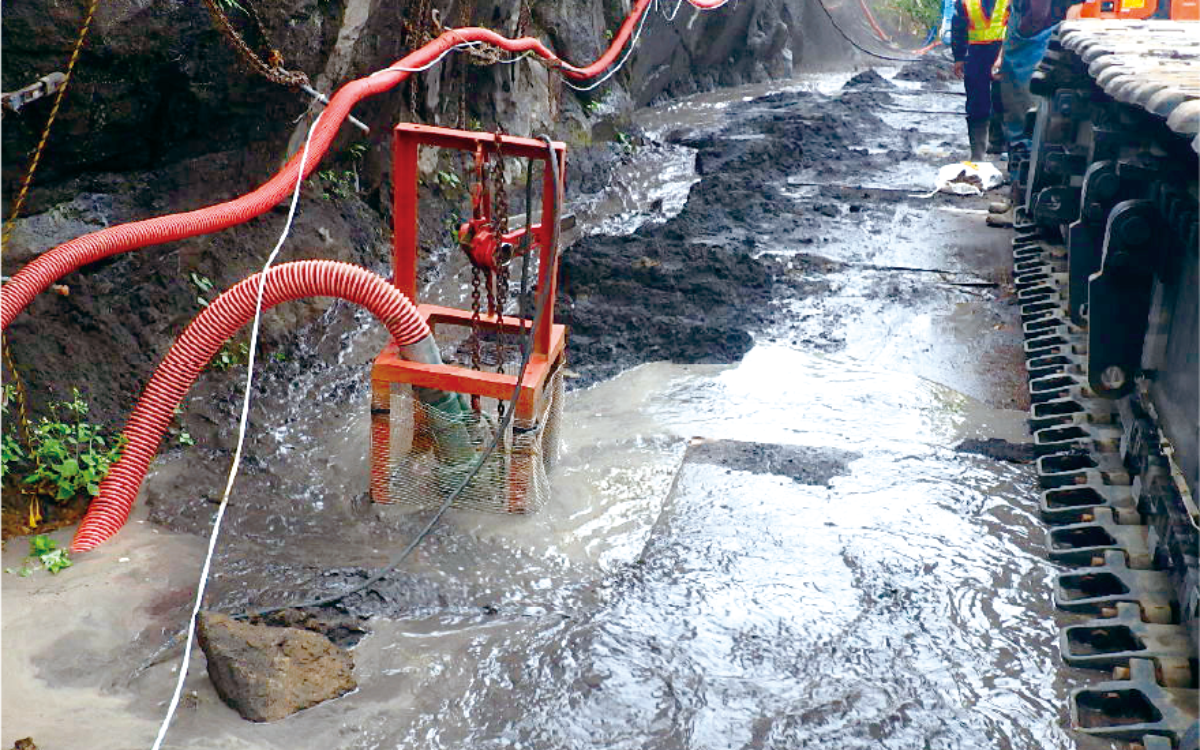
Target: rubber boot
[996, 135]
[977, 135]
[1002, 220]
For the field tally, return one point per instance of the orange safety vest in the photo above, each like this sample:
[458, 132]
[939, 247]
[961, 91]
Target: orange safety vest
[984, 30]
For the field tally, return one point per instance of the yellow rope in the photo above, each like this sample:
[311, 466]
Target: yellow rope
[35, 507]
[37, 154]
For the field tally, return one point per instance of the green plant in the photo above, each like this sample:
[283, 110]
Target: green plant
[921, 14]
[69, 455]
[625, 141]
[231, 5]
[204, 285]
[591, 107]
[12, 453]
[357, 151]
[44, 550]
[452, 223]
[448, 180]
[178, 430]
[231, 355]
[340, 184]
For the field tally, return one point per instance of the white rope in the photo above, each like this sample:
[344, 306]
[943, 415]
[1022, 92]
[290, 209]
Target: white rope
[245, 417]
[237, 454]
[612, 71]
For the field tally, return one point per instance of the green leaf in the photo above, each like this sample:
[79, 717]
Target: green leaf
[56, 561]
[40, 544]
[69, 468]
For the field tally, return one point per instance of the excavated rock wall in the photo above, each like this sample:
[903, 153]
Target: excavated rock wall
[162, 117]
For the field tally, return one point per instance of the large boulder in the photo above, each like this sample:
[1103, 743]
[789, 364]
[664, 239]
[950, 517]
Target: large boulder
[267, 673]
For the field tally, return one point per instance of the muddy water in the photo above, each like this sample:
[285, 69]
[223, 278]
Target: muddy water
[675, 592]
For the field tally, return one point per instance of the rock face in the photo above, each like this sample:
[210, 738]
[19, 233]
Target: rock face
[748, 42]
[267, 673]
[162, 117]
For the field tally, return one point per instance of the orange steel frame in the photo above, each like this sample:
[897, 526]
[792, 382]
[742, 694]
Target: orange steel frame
[1175, 10]
[549, 341]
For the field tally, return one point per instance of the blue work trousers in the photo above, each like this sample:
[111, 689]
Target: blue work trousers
[982, 100]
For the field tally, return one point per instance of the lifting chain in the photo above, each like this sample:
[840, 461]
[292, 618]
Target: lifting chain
[524, 19]
[499, 229]
[478, 204]
[41, 146]
[476, 282]
[416, 34]
[490, 271]
[272, 69]
[464, 18]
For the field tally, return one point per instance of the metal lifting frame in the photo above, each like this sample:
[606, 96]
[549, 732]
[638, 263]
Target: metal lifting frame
[549, 341]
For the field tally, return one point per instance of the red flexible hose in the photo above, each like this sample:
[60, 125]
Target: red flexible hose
[202, 339]
[879, 32]
[52, 265]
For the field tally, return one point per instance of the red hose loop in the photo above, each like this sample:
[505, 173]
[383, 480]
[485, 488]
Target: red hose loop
[52, 265]
[202, 339]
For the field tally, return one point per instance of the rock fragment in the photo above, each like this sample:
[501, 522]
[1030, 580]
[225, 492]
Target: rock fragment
[267, 673]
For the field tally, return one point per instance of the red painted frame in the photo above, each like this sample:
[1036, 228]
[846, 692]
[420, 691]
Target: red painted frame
[550, 337]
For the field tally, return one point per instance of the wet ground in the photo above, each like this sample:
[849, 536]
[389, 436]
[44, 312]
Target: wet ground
[776, 548]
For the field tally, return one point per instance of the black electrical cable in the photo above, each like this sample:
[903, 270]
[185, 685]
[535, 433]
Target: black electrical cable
[856, 44]
[491, 448]
[523, 296]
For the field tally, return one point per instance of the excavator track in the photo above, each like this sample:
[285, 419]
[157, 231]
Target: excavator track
[1106, 273]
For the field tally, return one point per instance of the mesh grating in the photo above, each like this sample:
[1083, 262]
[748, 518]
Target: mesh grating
[432, 451]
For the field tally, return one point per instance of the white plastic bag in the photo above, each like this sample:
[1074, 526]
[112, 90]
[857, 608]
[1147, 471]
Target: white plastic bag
[968, 178]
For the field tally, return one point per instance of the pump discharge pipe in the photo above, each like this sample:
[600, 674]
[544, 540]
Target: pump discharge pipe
[205, 336]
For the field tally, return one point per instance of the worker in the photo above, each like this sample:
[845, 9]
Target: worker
[1025, 43]
[976, 36]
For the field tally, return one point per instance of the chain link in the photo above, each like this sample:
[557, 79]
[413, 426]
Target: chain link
[273, 71]
[524, 19]
[41, 146]
[416, 34]
[476, 348]
[499, 228]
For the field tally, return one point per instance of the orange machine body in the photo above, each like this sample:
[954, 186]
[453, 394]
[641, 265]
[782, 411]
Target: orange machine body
[1138, 10]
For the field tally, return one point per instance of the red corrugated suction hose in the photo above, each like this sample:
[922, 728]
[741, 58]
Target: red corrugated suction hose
[52, 265]
[198, 344]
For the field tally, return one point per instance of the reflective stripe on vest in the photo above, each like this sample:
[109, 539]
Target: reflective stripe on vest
[980, 28]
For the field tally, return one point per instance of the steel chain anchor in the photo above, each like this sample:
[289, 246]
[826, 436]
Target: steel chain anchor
[500, 228]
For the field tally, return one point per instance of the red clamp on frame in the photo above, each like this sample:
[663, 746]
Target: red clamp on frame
[478, 237]
[549, 340]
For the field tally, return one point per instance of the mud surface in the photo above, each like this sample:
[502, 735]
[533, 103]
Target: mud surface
[802, 464]
[819, 568]
[698, 287]
[999, 449]
[931, 70]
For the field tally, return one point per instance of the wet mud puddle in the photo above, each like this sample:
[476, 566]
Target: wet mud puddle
[781, 552]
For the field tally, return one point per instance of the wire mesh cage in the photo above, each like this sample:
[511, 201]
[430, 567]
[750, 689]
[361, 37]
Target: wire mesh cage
[432, 449]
